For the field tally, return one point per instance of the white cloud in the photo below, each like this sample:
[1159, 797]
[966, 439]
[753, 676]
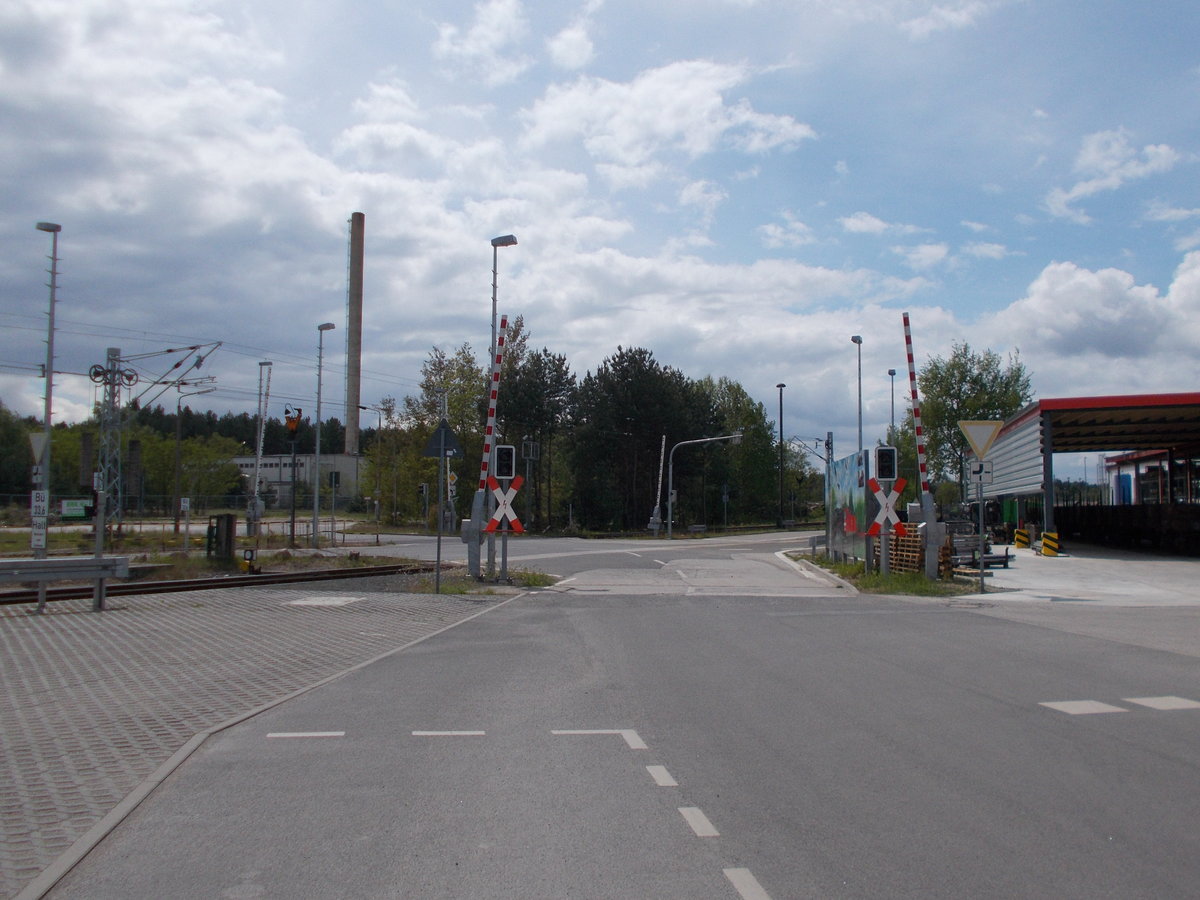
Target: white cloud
[947, 17]
[1161, 212]
[791, 233]
[485, 48]
[985, 250]
[704, 196]
[865, 223]
[679, 107]
[923, 256]
[921, 18]
[1107, 162]
[571, 48]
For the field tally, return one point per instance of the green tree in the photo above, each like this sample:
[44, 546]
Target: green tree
[752, 473]
[535, 403]
[455, 383]
[622, 412]
[17, 460]
[967, 386]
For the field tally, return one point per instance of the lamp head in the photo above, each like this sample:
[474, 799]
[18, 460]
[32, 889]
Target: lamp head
[48, 226]
[857, 338]
[505, 240]
[781, 385]
[326, 326]
[892, 372]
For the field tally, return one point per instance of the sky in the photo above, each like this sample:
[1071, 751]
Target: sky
[736, 185]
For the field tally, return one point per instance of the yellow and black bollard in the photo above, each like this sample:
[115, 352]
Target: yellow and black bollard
[1050, 545]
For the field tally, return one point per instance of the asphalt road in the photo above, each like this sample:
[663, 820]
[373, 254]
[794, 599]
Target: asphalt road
[702, 722]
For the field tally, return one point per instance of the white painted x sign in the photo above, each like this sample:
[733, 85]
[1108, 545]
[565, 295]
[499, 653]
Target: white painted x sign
[887, 507]
[504, 508]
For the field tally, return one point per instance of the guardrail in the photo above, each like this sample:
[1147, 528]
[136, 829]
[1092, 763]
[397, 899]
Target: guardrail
[67, 568]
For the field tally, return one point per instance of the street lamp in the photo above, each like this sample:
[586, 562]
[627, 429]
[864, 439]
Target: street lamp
[892, 374]
[736, 437]
[857, 339]
[504, 240]
[53, 229]
[316, 523]
[781, 386]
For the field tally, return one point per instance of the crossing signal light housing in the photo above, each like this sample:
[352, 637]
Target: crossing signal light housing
[886, 465]
[506, 461]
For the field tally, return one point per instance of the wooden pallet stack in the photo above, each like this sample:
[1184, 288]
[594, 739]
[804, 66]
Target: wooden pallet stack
[906, 552]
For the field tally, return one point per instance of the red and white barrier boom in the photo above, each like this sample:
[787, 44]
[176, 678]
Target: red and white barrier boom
[926, 496]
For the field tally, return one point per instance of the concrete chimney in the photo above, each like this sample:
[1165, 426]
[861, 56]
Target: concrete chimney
[354, 305]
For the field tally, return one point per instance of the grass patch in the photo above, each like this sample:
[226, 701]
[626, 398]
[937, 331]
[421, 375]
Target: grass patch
[912, 583]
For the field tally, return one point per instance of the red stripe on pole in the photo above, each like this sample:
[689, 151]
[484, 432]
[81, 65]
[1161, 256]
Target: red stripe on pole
[490, 428]
[926, 498]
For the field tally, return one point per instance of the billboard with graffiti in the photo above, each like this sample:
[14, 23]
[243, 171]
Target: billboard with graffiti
[850, 505]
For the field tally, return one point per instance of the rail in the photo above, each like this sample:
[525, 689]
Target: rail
[79, 592]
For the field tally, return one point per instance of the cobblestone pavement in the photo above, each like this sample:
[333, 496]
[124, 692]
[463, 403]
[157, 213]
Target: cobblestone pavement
[91, 704]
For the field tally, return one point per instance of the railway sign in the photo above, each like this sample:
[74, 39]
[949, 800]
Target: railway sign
[504, 510]
[887, 508]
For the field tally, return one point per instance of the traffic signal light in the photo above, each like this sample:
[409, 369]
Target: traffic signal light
[506, 461]
[421, 488]
[886, 465]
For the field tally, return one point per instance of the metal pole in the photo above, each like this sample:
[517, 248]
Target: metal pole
[437, 572]
[316, 517]
[979, 496]
[44, 462]
[892, 374]
[506, 240]
[53, 229]
[781, 386]
[735, 437]
[671, 492]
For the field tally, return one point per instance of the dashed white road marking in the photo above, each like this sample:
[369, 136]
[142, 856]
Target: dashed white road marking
[1083, 707]
[306, 734]
[746, 884]
[661, 776]
[1164, 702]
[699, 821]
[449, 733]
[631, 736]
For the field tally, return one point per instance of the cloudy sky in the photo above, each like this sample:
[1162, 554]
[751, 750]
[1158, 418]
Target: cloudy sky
[737, 185]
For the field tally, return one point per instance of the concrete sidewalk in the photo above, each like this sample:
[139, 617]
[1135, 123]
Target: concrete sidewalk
[95, 709]
[1099, 576]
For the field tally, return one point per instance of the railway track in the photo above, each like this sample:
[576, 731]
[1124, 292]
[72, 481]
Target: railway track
[124, 589]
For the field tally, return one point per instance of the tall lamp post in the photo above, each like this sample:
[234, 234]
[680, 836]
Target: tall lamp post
[504, 240]
[736, 437]
[316, 523]
[781, 386]
[857, 339]
[44, 481]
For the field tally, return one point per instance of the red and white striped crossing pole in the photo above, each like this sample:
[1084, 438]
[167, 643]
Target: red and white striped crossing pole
[918, 431]
[489, 432]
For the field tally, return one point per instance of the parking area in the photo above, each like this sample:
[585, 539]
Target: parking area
[93, 705]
